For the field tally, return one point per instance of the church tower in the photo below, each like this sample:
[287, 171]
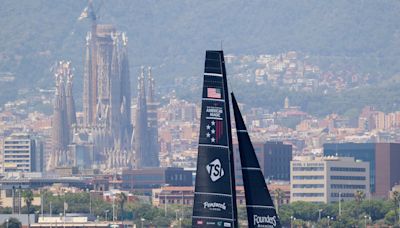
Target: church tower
[152, 106]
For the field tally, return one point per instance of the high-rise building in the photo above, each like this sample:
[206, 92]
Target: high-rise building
[328, 179]
[382, 157]
[22, 153]
[274, 159]
[277, 157]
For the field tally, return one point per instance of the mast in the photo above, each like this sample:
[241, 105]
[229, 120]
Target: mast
[215, 194]
[259, 205]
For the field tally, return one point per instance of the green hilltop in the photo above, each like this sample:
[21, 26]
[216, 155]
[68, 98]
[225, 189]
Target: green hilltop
[173, 35]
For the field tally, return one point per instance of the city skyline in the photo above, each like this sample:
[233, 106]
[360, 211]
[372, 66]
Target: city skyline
[104, 117]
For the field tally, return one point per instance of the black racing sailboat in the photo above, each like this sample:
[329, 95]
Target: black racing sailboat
[215, 195]
[259, 205]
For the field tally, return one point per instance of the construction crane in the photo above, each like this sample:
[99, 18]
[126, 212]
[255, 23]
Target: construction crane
[88, 12]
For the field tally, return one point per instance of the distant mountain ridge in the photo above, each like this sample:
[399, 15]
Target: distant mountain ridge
[173, 35]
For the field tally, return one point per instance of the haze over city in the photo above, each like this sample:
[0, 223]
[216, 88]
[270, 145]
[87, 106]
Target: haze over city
[108, 107]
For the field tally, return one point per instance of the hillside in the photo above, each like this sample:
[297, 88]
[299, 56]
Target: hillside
[172, 35]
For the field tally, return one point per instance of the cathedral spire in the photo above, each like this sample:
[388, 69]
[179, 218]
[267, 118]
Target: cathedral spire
[141, 134]
[87, 87]
[125, 102]
[115, 88]
[71, 113]
[150, 82]
[152, 107]
[64, 114]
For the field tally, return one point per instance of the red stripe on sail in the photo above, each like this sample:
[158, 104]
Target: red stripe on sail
[218, 130]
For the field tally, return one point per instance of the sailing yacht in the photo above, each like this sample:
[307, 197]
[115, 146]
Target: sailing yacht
[215, 195]
[215, 192]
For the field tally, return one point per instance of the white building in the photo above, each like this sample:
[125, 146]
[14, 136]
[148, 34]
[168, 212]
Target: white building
[78, 220]
[22, 153]
[326, 179]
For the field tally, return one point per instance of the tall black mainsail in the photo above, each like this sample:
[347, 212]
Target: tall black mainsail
[260, 208]
[215, 195]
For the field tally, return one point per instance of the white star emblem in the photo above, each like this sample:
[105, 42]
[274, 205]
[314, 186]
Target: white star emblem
[212, 131]
[212, 139]
[208, 135]
[213, 123]
[208, 127]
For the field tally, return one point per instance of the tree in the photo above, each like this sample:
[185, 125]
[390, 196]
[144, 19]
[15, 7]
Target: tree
[284, 214]
[390, 217]
[279, 196]
[359, 196]
[375, 208]
[344, 221]
[305, 211]
[122, 198]
[12, 223]
[299, 223]
[396, 200]
[396, 197]
[242, 213]
[28, 198]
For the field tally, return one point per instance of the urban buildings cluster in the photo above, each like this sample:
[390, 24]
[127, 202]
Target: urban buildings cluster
[65, 143]
[69, 143]
[293, 71]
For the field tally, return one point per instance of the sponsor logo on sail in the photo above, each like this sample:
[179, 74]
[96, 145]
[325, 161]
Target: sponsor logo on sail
[215, 170]
[214, 206]
[264, 221]
[227, 224]
[214, 112]
[214, 127]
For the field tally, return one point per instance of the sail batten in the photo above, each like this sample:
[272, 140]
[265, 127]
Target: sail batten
[213, 74]
[218, 146]
[259, 205]
[252, 168]
[211, 99]
[215, 195]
